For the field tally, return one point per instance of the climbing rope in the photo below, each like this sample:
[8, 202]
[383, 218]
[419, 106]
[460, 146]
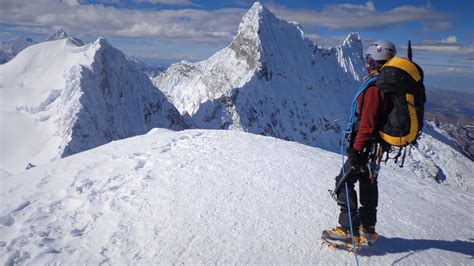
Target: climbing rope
[348, 202]
[345, 134]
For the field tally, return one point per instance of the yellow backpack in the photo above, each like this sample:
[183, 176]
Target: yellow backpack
[402, 81]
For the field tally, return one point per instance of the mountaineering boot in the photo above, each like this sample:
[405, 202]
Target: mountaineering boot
[339, 236]
[369, 234]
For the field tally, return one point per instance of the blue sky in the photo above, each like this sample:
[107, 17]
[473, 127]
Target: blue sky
[166, 31]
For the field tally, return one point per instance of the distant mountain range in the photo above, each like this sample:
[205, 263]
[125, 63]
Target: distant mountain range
[10, 48]
[453, 112]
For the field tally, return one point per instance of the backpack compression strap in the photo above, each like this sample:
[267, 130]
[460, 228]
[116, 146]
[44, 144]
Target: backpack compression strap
[407, 139]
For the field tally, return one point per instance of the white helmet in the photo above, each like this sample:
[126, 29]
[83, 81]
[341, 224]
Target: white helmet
[381, 50]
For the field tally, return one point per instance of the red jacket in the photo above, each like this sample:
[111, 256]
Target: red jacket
[374, 107]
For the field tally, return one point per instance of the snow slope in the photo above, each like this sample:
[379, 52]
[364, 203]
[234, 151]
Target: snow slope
[438, 157]
[271, 80]
[9, 49]
[216, 197]
[59, 98]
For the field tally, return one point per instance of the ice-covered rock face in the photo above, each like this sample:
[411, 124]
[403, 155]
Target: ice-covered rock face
[246, 43]
[91, 95]
[270, 80]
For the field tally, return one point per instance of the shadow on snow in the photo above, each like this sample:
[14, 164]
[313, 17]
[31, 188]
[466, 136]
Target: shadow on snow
[400, 245]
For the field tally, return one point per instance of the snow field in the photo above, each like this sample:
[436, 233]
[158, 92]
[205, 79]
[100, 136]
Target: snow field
[217, 197]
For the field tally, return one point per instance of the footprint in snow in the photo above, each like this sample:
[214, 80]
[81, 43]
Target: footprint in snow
[165, 148]
[42, 182]
[7, 220]
[198, 135]
[77, 232]
[140, 154]
[84, 186]
[21, 206]
[45, 241]
[18, 257]
[140, 164]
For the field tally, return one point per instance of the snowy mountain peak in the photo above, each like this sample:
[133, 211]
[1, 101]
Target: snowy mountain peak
[256, 6]
[60, 34]
[256, 16]
[271, 80]
[353, 38]
[101, 43]
[90, 96]
[265, 42]
[247, 42]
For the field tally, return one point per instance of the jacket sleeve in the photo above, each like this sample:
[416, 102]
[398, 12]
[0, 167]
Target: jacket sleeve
[372, 108]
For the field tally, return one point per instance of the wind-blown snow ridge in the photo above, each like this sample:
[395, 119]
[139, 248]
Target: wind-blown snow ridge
[216, 197]
[65, 98]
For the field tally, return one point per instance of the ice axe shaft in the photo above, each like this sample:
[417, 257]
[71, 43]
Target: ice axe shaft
[409, 51]
[341, 183]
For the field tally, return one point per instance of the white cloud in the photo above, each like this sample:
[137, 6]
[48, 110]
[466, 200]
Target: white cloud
[447, 46]
[455, 69]
[450, 39]
[351, 16]
[194, 26]
[446, 49]
[182, 26]
[166, 2]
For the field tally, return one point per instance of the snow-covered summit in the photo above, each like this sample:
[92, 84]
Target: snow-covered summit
[216, 197]
[61, 34]
[256, 23]
[58, 35]
[64, 98]
[353, 39]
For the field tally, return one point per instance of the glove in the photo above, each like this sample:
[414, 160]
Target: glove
[355, 160]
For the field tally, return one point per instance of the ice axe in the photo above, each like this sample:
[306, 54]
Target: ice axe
[340, 183]
[409, 51]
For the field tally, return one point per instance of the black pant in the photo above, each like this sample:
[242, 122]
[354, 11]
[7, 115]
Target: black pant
[367, 213]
